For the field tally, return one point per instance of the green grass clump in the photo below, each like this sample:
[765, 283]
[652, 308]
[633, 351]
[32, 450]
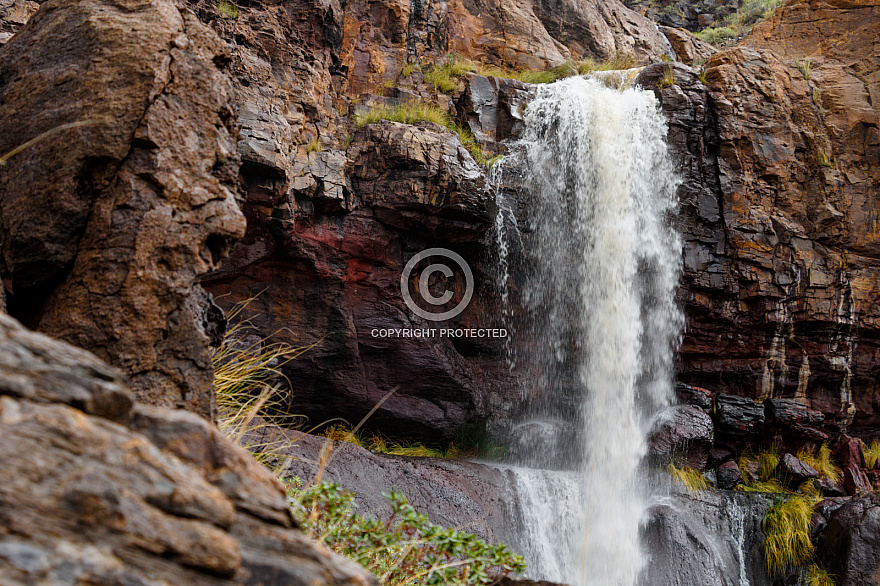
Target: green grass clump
[405, 550]
[786, 527]
[872, 454]
[818, 576]
[413, 112]
[740, 23]
[444, 77]
[691, 479]
[228, 9]
[667, 78]
[805, 67]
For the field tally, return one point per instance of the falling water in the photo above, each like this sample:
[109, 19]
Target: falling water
[600, 265]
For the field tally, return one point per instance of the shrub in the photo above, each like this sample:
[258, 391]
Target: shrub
[805, 67]
[667, 78]
[716, 36]
[691, 479]
[228, 9]
[407, 548]
[786, 527]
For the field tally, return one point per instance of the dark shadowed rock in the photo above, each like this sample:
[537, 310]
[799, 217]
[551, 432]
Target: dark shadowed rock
[850, 545]
[719, 455]
[101, 491]
[793, 420]
[728, 475]
[697, 396]
[794, 471]
[738, 417]
[684, 435]
[105, 227]
[849, 455]
[829, 488]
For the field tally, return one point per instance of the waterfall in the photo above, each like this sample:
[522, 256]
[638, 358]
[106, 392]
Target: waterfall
[598, 266]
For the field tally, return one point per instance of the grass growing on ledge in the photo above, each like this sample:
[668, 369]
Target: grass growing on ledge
[821, 462]
[740, 23]
[228, 9]
[786, 527]
[872, 454]
[691, 479]
[818, 576]
[413, 112]
[379, 444]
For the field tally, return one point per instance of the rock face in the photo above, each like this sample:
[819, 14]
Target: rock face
[126, 195]
[780, 159]
[684, 436]
[850, 547]
[101, 491]
[712, 538]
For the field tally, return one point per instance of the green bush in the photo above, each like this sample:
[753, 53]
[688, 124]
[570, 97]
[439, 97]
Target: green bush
[407, 549]
[716, 36]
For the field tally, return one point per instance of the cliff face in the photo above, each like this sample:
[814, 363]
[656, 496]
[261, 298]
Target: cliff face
[779, 154]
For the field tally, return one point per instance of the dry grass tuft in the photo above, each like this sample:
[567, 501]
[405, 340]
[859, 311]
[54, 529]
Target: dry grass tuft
[872, 454]
[787, 544]
[822, 462]
[818, 576]
[692, 480]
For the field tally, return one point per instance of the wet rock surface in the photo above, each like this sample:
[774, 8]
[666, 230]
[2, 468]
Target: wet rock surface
[127, 194]
[850, 546]
[684, 436]
[99, 490]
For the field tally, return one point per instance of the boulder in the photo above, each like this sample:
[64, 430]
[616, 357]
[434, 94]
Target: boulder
[793, 420]
[728, 475]
[850, 546]
[101, 490]
[794, 471]
[849, 455]
[126, 196]
[689, 49]
[697, 396]
[683, 435]
[829, 488]
[738, 417]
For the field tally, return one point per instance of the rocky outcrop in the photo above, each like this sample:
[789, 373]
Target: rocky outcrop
[779, 160]
[683, 436]
[123, 191]
[691, 15]
[97, 489]
[689, 49]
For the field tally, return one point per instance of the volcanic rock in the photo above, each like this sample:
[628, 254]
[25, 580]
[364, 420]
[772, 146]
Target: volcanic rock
[794, 471]
[848, 453]
[792, 419]
[829, 488]
[684, 436]
[738, 417]
[697, 396]
[728, 475]
[127, 195]
[850, 545]
[97, 488]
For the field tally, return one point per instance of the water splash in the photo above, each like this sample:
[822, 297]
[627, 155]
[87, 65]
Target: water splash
[600, 265]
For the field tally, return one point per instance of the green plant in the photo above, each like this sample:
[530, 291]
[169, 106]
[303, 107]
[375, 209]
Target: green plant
[703, 76]
[667, 78]
[786, 526]
[872, 454]
[716, 36]
[618, 62]
[407, 549]
[382, 445]
[822, 158]
[228, 9]
[818, 576]
[444, 77]
[691, 479]
[805, 67]
[817, 96]
[413, 112]
[491, 162]
[408, 69]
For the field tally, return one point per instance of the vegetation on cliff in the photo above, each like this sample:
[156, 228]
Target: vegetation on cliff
[738, 24]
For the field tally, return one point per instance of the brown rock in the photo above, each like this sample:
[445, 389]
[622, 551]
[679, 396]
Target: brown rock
[848, 453]
[154, 495]
[689, 49]
[106, 227]
[728, 475]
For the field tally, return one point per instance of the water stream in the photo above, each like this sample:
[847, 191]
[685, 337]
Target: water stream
[598, 265]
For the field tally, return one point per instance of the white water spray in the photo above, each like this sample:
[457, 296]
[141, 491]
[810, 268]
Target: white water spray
[600, 289]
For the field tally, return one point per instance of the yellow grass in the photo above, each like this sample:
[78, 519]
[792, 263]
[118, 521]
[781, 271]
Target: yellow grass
[786, 527]
[691, 479]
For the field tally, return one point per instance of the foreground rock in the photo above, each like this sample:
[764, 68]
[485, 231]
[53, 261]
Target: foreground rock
[850, 547]
[106, 226]
[99, 491]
